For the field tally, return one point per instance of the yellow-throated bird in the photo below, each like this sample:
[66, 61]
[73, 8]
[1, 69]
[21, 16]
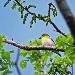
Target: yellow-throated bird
[46, 40]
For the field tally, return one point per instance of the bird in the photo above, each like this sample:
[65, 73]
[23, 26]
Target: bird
[46, 40]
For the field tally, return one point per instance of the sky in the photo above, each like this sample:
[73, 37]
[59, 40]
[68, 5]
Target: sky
[11, 25]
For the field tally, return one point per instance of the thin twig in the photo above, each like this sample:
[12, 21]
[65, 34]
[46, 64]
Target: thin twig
[25, 8]
[54, 25]
[16, 62]
[49, 10]
[57, 29]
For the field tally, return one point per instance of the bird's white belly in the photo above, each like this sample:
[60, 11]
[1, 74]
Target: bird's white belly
[49, 42]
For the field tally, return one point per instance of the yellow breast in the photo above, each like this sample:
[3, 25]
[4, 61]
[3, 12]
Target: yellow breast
[43, 40]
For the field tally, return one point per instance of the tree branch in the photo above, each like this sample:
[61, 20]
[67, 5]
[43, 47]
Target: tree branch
[68, 16]
[25, 8]
[25, 47]
[57, 29]
[54, 25]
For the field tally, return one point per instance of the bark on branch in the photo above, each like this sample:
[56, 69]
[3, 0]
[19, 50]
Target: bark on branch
[25, 47]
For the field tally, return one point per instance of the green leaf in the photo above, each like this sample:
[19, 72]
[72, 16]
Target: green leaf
[30, 25]
[34, 18]
[59, 42]
[0, 61]
[14, 5]
[68, 50]
[23, 53]
[68, 72]
[67, 60]
[22, 15]
[72, 57]
[19, 9]
[4, 66]
[7, 3]
[1, 73]
[44, 58]
[29, 6]
[6, 72]
[19, 1]
[5, 55]
[53, 8]
[24, 19]
[69, 39]
[48, 65]
[39, 73]
[46, 23]
[37, 66]
[63, 39]
[12, 51]
[1, 40]
[40, 17]
[31, 22]
[51, 59]
[35, 42]
[48, 53]
[54, 12]
[23, 64]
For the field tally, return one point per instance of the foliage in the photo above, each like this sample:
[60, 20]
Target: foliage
[53, 8]
[6, 3]
[23, 64]
[5, 61]
[1, 40]
[66, 43]
[24, 12]
[44, 62]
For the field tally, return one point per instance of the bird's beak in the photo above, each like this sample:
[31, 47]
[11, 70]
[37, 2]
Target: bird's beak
[39, 37]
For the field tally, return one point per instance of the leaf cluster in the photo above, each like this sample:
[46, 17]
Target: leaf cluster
[25, 12]
[46, 60]
[5, 62]
[41, 59]
[53, 8]
[66, 43]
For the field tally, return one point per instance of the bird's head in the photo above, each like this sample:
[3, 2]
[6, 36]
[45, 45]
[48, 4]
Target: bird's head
[45, 35]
